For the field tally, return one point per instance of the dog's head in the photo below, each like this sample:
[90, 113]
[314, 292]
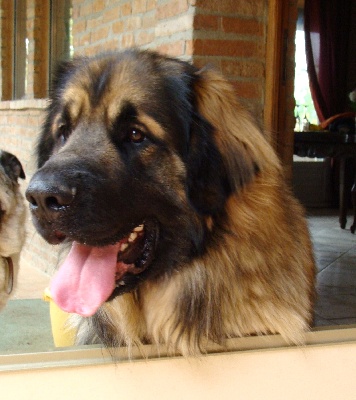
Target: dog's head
[137, 157]
[11, 204]
[12, 220]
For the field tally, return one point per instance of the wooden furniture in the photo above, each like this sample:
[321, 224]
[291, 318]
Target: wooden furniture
[322, 144]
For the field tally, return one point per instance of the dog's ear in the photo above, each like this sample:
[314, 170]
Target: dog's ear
[63, 71]
[12, 166]
[208, 185]
[227, 149]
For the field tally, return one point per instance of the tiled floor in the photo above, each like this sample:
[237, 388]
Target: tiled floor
[335, 252]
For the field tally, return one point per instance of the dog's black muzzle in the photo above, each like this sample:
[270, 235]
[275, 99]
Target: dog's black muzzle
[52, 197]
[47, 198]
[75, 201]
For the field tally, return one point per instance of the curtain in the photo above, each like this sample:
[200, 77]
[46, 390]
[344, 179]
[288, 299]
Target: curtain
[326, 27]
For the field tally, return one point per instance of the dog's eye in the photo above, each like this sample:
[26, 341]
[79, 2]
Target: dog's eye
[63, 133]
[136, 135]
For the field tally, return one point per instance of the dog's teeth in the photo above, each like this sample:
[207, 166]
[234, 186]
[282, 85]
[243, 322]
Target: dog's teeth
[138, 228]
[132, 237]
[121, 283]
[124, 246]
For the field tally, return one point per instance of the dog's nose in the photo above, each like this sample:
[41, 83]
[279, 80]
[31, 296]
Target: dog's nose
[49, 199]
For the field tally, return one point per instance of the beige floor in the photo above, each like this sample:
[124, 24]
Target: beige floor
[31, 283]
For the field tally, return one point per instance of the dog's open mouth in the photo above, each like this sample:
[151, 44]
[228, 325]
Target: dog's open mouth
[89, 275]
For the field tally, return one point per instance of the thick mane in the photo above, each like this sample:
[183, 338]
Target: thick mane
[242, 284]
[234, 256]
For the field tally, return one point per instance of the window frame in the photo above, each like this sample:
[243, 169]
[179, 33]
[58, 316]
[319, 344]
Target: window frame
[31, 48]
[13, 50]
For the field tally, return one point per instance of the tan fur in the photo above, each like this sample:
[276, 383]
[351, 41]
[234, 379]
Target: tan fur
[259, 277]
[152, 125]
[79, 100]
[244, 297]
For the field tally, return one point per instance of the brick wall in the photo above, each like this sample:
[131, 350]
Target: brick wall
[160, 24]
[227, 34]
[232, 36]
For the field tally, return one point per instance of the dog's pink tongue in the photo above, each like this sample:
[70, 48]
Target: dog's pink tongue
[86, 279]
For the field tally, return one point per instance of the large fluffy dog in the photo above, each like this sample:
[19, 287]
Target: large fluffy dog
[182, 228]
[12, 223]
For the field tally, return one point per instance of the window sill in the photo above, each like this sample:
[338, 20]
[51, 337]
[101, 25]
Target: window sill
[250, 368]
[24, 104]
[96, 355]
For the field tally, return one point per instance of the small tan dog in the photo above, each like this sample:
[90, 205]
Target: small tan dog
[12, 223]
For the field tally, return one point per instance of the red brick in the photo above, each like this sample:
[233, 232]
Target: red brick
[100, 34]
[98, 5]
[78, 27]
[171, 9]
[118, 27]
[188, 48]
[132, 23]
[248, 90]
[230, 48]
[206, 22]
[242, 26]
[144, 38]
[126, 9]
[151, 5]
[127, 40]
[138, 6]
[174, 49]
[92, 23]
[243, 68]
[241, 7]
[86, 9]
[112, 14]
